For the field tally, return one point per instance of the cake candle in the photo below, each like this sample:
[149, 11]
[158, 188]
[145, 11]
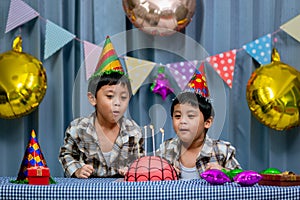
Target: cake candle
[145, 132]
[162, 140]
[138, 149]
[153, 142]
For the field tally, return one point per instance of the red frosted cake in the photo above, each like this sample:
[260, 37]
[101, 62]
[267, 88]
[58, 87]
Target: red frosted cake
[150, 168]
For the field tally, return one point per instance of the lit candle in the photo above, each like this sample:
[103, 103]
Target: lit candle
[153, 142]
[138, 149]
[162, 140]
[145, 131]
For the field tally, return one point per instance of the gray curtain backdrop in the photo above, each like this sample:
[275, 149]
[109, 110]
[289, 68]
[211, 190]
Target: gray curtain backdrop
[217, 26]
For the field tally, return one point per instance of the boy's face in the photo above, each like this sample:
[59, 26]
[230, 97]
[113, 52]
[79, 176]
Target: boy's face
[188, 123]
[111, 102]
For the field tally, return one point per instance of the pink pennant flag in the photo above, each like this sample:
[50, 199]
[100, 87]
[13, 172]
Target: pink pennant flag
[91, 57]
[182, 72]
[223, 64]
[19, 13]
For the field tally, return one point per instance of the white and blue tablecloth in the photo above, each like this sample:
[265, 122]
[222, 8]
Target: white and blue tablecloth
[111, 188]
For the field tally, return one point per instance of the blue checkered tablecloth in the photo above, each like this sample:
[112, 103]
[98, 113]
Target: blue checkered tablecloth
[110, 188]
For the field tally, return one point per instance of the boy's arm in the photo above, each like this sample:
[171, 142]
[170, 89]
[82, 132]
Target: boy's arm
[69, 155]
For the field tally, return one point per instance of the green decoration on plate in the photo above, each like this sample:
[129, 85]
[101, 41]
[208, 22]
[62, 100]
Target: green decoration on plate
[271, 171]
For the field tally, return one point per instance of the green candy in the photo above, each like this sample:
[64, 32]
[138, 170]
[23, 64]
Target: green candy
[232, 173]
[271, 171]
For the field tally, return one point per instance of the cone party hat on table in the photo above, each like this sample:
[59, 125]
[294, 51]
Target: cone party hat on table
[33, 157]
[198, 84]
[108, 61]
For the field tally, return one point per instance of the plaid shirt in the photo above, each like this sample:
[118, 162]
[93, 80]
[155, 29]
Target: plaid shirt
[81, 147]
[212, 151]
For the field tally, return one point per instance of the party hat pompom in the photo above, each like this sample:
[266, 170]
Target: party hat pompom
[33, 157]
[108, 61]
[198, 84]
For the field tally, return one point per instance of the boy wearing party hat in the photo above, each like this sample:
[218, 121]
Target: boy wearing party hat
[105, 142]
[192, 151]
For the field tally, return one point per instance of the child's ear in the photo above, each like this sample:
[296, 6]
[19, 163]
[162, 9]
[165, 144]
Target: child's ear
[208, 122]
[92, 98]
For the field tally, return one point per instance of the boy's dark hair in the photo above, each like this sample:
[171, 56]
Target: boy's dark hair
[111, 78]
[196, 100]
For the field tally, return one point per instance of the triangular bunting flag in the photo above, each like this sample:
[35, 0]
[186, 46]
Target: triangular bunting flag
[91, 56]
[52, 42]
[19, 13]
[292, 28]
[201, 68]
[260, 49]
[33, 157]
[182, 72]
[138, 70]
[223, 64]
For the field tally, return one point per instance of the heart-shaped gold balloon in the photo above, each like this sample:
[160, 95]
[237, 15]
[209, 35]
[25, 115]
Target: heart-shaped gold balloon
[23, 82]
[273, 94]
[160, 17]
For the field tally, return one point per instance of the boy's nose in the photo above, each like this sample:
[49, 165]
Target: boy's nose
[183, 120]
[116, 102]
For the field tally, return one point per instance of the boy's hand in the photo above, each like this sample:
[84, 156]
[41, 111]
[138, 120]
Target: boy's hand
[123, 171]
[213, 165]
[177, 170]
[84, 172]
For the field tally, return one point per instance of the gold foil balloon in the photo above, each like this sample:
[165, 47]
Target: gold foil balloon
[23, 82]
[273, 94]
[159, 17]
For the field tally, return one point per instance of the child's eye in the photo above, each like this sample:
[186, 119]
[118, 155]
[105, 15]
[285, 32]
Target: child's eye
[110, 96]
[124, 97]
[177, 116]
[191, 116]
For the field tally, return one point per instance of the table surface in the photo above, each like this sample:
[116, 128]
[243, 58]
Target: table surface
[112, 188]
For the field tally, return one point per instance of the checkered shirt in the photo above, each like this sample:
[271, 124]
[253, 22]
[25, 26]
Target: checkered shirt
[81, 147]
[212, 151]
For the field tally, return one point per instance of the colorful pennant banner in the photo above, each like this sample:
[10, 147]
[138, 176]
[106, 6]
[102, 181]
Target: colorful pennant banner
[138, 70]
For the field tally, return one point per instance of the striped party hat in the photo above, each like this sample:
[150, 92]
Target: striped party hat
[33, 157]
[108, 61]
[198, 84]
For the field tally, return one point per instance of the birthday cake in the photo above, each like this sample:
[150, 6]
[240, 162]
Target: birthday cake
[150, 168]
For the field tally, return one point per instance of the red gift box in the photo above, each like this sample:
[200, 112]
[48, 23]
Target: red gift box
[38, 175]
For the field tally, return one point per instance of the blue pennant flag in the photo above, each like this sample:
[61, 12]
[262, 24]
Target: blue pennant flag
[56, 37]
[260, 49]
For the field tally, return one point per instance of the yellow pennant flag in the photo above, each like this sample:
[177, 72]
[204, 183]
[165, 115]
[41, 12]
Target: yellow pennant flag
[138, 70]
[292, 28]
